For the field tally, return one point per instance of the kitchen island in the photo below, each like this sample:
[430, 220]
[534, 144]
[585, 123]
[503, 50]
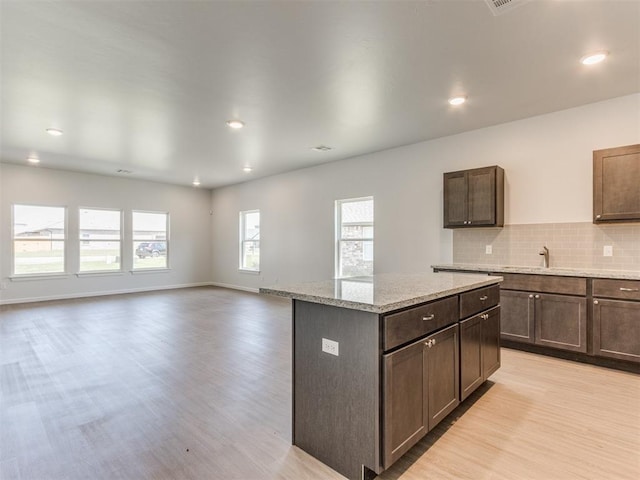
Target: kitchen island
[379, 361]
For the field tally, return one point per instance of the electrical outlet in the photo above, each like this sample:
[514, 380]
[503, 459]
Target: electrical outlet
[488, 249]
[607, 251]
[330, 346]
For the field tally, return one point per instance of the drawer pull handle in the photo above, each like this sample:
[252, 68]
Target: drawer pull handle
[537, 296]
[483, 298]
[595, 302]
[624, 289]
[429, 317]
[431, 342]
[531, 296]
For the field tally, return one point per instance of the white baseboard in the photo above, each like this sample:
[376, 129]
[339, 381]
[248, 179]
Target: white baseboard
[235, 287]
[102, 293]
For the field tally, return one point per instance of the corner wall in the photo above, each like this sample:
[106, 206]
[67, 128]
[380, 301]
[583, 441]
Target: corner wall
[189, 246]
[548, 169]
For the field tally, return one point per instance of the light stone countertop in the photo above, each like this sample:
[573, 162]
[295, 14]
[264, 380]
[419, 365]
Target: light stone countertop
[384, 292]
[563, 272]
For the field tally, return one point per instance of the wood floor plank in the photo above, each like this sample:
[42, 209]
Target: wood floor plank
[196, 383]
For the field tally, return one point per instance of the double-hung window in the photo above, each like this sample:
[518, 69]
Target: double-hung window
[150, 240]
[250, 240]
[354, 237]
[100, 239]
[39, 234]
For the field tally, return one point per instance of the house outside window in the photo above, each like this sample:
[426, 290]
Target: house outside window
[250, 240]
[39, 234]
[354, 237]
[100, 239]
[150, 240]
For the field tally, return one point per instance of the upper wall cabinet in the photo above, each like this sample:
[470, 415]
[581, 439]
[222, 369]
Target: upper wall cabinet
[474, 198]
[616, 184]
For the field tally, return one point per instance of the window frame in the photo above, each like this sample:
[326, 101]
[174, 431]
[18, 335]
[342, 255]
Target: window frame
[166, 241]
[64, 240]
[84, 242]
[243, 241]
[338, 234]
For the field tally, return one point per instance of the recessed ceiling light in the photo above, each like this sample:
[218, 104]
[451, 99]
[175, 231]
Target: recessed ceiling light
[55, 132]
[455, 101]
[594, 58]
[33, 159]
[321, 148]
[247, 169]
[235, 124]
[196, 183]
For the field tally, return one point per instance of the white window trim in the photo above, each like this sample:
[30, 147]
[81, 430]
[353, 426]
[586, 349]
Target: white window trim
[167, 241]
[338, 232]
[241, 267]
[44, 275]
[88, 273]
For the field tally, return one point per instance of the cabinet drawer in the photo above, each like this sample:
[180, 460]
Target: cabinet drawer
[405, 326]
[622, 289]
[544, 283]
[478, 300]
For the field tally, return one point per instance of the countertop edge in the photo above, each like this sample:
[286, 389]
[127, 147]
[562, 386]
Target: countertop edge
[561, 272]
[381, 309]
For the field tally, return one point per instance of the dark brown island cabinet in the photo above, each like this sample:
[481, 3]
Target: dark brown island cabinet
[395, 372]
[474, 198]
[616, 184]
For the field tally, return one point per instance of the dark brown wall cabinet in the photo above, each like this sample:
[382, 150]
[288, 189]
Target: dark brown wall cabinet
[616, 184]
[474, 198]
[552, 311]
[616, 319]
[420, 389]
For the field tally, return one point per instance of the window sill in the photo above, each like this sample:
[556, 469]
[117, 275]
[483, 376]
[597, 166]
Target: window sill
[251, 272]
[149, 270]
[101, 273]
[39, 276]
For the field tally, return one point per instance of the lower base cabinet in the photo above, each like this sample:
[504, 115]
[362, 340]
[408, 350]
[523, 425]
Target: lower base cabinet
[616, 329]
[479, 350]
[420, 389]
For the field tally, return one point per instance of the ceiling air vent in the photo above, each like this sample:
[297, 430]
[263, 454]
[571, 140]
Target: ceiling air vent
[498, 7]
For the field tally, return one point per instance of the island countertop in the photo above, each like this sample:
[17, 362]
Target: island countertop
[385, 292]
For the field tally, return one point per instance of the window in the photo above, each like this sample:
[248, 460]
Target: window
[150, 240]
[250, 240]
[100, 240]
[38, 239]
[354, 237]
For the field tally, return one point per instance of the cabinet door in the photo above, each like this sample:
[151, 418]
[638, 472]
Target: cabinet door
[491, 342]
[443, 374]
[404, 403]
[455, 199]
[616, 329]
[561, 321]
[517, 316]
[616, 176]
[471, 371]
[481, 194]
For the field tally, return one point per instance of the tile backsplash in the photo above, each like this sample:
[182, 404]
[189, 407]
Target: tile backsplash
[571, 245]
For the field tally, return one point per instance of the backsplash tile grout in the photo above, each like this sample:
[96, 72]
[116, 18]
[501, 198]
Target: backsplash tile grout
[571, 245]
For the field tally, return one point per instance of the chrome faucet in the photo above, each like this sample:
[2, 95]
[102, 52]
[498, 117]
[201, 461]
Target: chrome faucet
[545, 253]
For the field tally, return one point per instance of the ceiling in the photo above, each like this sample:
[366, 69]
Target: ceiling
[148, 86]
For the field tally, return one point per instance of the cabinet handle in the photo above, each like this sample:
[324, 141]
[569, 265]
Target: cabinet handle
[430, 317]
[595, 302]
[469, 222]
[430, 343]
[531, 296]
[434, 341]
[598, 216]
[537, 296]
[483, 298]
[624, 289]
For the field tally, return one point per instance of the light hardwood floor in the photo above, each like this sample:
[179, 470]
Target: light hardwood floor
[196, 384]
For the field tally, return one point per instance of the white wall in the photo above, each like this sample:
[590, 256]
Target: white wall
[190, 242]
[548, 168]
